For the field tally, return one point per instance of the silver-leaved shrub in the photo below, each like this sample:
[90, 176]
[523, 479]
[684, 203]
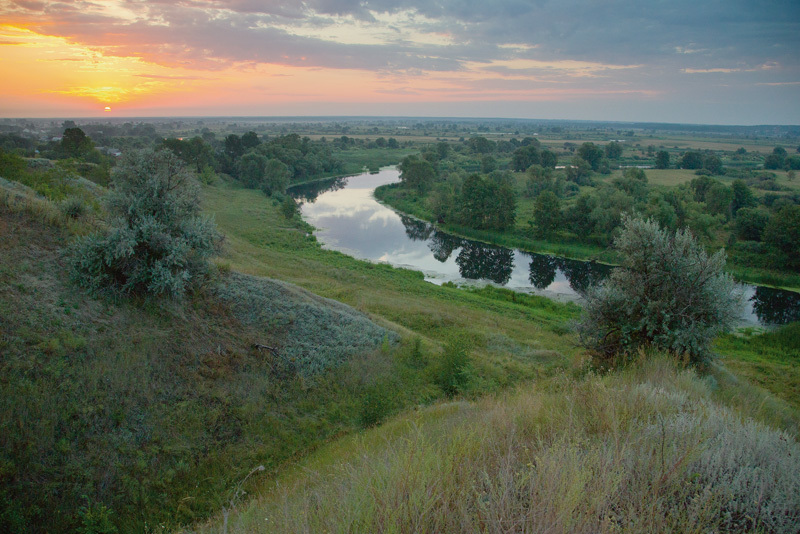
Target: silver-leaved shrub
[158, 242]
[667, 294]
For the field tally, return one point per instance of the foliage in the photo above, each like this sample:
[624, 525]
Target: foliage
[547, 214]
[416, 173]
[591, 154]
[691, 160]
[453, 371]
[662, 159]
[487, 203]
[667, 294]
[75, 142]
[782, 235]
[158, 242]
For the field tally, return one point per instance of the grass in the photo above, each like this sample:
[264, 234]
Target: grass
[153, 409]
[646, 450]
[770, 360]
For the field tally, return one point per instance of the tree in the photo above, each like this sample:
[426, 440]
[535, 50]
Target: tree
[691, 160]
[547, 214]
[579, 171]
[613, 150]
[591, 154]
[667, 294]
[750, 223]
[718, 199]
[782, 236]
[75, 142]
[548, 159]
[251, 169]
[742, 196]
[662, 159]
[713, 164]
[276, 177]
[416, 173]
[158, 242]
[250, 140]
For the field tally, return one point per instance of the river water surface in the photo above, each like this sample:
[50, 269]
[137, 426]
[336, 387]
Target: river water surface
[349, 219]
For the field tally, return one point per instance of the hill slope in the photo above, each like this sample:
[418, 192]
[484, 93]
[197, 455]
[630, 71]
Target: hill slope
[642, 451]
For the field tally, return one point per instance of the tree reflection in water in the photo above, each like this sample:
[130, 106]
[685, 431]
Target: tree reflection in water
[416, 230]
[543, 270]
[309, 192]
[776, 306]
[442, 245]
[478, 261]
[583, 274]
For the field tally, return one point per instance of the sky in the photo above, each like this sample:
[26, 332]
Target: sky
[677, 61]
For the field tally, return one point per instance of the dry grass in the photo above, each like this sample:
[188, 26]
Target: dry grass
[644, 451]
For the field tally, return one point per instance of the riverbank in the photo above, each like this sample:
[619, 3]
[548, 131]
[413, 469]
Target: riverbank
[395, 197]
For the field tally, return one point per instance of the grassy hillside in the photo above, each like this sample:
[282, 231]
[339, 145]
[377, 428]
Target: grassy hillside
[648, 450]
[147, 412]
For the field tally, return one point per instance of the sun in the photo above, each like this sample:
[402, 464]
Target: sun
[107, 109]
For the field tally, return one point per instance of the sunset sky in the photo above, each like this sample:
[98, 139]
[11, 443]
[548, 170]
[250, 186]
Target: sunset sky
[716, 62]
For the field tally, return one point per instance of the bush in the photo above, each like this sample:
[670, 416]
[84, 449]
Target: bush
[667, 294]
[73, 207]
[453, 372]
[158, 242]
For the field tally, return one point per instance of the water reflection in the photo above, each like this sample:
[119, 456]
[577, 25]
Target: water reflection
[775, 306]
[350, 220]
[478, 261]
[309, 192]
[543, 270]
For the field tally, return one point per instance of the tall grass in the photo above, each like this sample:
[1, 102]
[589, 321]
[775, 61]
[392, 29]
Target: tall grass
[644, 451]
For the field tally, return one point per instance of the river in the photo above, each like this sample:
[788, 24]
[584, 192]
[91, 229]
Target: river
[349, 219]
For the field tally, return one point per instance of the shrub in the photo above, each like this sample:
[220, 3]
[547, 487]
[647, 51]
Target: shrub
[158, 242]
[73, 207]
[667, 293]
[453, 374]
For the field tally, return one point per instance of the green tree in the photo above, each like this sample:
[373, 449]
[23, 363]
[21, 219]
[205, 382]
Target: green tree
[742, 196]
[691, 160]
[276, 177]
[718, 199]
[667, 294]
[579, 171]
[547, 214]
[782, 236]
[158, 242]
[548, 159]
[416, 173]
[249, 140]
[591, 154]
[251, 169]
[75, 143]
[194, 152]
[713, 164]
[634, 182]
[613, 150]
[750, 223]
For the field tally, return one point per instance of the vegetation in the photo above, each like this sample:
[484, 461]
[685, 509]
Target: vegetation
[151, 413]
[646, 450]
[158, 241]
[666, 294]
